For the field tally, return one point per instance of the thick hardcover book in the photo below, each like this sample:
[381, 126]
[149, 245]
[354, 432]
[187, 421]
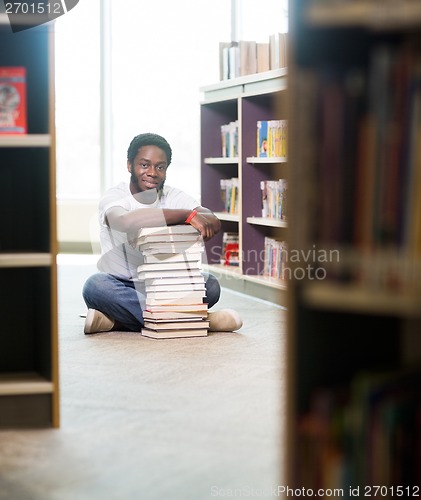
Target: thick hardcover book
[177, 229]
[13, 118]
[176, 325]
[186, 274]
[172, 315]
[171, 334]
[172, 257]
[168, 266]
[189, 308]
[177, 287]
[179, 247]
[196, 295]
[171, 281]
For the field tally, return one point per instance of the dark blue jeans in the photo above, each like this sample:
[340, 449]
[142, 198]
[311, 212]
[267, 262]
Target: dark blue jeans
[123, 300]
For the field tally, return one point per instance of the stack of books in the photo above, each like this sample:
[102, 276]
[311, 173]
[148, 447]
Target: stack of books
[174, 284]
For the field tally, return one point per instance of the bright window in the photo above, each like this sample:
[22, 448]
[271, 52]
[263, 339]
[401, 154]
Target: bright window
[161, 54]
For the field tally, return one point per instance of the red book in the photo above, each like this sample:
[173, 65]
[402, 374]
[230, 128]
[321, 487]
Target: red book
[13, 100]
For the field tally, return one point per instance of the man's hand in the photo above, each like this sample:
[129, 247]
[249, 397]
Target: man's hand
[206, 223]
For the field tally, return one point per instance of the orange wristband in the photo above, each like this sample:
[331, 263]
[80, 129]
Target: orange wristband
[190, 217]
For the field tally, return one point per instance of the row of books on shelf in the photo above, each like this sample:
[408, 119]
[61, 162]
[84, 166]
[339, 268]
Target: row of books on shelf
[229, 194]
[247, 57]
[365, 128]
[275, 263]
[384, 270]
[13, 110]
[173, 283]
[272, 138]
[230, 249]
[274, 198]
[380, 413]
[229, 139]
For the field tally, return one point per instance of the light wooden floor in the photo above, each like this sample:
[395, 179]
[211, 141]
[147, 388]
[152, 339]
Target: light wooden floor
[172, 419]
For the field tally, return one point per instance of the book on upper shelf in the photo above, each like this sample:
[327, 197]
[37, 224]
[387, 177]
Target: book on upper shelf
[262, 57]
[13, 119]
[248, 57]
[278, 50]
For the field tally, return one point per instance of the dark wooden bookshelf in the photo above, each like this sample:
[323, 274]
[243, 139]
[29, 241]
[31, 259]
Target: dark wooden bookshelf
[29, 389]
[354, 345]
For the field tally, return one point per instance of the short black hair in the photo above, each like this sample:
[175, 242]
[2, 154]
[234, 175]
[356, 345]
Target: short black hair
[148, 139]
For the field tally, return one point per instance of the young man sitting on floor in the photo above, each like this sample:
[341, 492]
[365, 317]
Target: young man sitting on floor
[114, 296]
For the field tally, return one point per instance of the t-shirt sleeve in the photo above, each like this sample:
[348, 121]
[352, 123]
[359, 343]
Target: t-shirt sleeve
[114, 197]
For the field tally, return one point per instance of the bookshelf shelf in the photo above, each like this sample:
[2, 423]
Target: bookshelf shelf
[12, 384]
[221, 161]
[29, 386]
[358, 299]
[268, 281]
[233, 272]
[367, 14]
[25, 141]
[353, 333]
[227, 217]
[266, 221]
[245, 100]
[25, 259]
[254, 160]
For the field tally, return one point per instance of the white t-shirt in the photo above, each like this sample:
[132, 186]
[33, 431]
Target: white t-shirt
[118, 257]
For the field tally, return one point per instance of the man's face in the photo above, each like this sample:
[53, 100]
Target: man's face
[148, 170]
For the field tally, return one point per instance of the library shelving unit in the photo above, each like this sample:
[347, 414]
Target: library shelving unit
[354, 318]
[29, 352]
[247, 100]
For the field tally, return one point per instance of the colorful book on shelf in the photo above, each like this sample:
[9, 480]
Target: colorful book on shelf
[229, 189]
[274, 198]
[262, 138]
[13, 109]
[230, 249]
[229, 139]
